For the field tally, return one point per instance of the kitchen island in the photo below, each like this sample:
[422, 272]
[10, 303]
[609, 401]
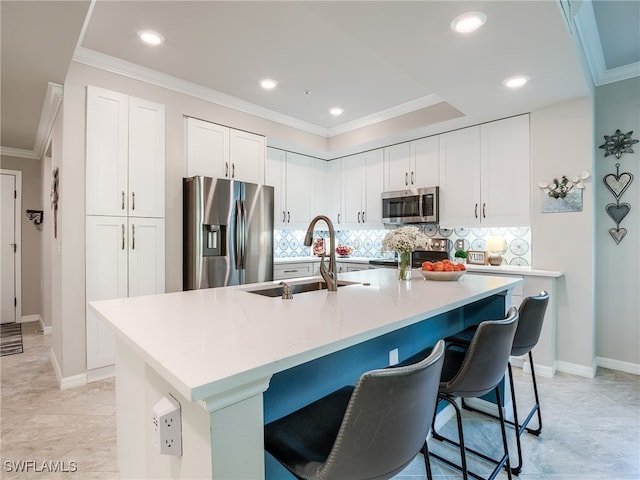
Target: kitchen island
[234, 359]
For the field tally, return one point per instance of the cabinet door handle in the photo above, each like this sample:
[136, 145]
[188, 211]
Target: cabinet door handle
[364, 217]
[133, 237]
[233, 170]
[476, 211]
[226, 169]
[122, 201]
[288, 217]
[412, 178]
[359, 216]
[123, 243]
[290, 271]
[284, 216]
[406, 178]
[133, 200]
[483, 209]
[338, 219]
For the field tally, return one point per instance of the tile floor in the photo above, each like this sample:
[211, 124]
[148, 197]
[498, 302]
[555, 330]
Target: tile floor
[591, 426]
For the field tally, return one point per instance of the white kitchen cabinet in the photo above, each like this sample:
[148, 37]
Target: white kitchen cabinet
[411, 165]
[221, 152]
[125, 258]
[207, 149]
[362, 185]
[284, 271]
[246, 156]
[335, 204]
[345, 267]
[485, 175]
[125, 158]
[300, 184]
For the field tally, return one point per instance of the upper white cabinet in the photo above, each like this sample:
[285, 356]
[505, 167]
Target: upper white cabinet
[335, 204]
[363, 180]
[299, 183]
[411, 164]
[485, 175]
[221, 152]
[125, 155]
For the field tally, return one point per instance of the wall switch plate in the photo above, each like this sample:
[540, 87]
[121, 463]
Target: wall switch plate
[393, 357]
[167, 426]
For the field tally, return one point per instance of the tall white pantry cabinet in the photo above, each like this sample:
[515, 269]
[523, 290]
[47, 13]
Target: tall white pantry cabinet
[125, 172]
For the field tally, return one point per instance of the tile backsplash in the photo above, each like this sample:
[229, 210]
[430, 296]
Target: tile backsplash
[368, 243]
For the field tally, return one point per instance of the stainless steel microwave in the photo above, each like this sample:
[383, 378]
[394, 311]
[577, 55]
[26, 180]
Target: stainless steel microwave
[420, 205]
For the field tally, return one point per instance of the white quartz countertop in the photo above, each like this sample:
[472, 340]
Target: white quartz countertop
[349, 259]
[207, 342]
[514, 270]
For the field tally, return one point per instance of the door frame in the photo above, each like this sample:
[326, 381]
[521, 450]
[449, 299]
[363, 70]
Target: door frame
[18, 239]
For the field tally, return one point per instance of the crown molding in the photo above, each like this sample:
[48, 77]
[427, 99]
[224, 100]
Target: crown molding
[137, 72]
[48, 114]
[587, 29]
[396, 111]
[148, 75]
[19, 153]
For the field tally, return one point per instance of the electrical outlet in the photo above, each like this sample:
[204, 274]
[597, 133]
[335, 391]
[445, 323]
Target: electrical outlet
[167, 426]
[393, 357]
[460, 244]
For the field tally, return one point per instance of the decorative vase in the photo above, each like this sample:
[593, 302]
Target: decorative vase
[404, 265]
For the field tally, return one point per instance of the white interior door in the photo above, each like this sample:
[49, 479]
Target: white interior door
[10, 196]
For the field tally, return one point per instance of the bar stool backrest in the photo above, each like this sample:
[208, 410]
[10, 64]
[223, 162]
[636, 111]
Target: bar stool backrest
[532, 310]
[387, 420]
[486, 359]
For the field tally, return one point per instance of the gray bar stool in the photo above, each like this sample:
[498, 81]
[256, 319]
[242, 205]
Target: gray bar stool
[370, 431]
[532, 311]
[472, 373]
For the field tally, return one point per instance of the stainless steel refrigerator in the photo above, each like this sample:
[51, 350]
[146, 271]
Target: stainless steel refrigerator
[228, 233]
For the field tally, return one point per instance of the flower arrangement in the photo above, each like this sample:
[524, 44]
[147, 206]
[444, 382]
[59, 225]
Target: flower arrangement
[561, 188]
[404, 240]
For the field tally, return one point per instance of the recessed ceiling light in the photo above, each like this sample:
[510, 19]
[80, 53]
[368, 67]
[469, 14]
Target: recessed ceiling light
[468, 22]
[268, 84]
[516, 81]
[336, 111]
[150, 37]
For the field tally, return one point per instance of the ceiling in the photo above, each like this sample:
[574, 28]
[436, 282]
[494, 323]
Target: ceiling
[377, 60]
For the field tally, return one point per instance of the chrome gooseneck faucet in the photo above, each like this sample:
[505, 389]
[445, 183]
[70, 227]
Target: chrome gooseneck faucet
[330, 274]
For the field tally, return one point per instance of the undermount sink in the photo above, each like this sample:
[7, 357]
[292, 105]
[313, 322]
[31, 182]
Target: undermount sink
[313, 286]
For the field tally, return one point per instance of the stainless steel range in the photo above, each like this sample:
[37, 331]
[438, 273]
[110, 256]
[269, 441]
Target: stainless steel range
[434, 250]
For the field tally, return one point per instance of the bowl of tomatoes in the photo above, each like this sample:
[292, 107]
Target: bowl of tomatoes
[444, 270]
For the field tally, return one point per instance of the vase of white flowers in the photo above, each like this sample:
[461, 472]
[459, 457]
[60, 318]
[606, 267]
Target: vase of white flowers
[404, 241]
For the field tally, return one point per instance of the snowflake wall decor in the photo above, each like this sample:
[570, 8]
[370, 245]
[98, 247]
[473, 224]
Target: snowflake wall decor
[618, 143]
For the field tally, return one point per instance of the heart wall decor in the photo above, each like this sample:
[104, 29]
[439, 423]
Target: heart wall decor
[617, 183]
[618, 234]
[617, 212]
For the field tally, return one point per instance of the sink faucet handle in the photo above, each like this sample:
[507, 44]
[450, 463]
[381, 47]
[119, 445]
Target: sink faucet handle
[286, 291]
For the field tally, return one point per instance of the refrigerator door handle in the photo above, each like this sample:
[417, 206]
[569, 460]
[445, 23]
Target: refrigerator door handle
[240, 234]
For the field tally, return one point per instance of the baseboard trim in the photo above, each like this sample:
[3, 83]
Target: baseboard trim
[96, 374]
[37, 318]
[613, 364]
[31, 318]
[66, 382]
[575, 369]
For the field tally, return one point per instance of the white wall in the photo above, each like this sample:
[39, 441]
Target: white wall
[617, 106]
[561, 144]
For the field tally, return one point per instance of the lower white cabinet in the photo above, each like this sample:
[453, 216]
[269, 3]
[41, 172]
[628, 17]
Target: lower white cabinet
[284, 271]
[124, 258]
[345, 267]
